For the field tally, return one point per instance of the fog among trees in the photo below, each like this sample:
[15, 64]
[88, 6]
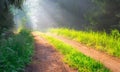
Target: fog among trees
[98, 15]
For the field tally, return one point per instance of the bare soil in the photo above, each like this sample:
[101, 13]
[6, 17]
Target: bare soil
[46, 58]
[110, 62]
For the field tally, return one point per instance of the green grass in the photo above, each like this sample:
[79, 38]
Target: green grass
[101, 41]
[16, 52]
[76, 59]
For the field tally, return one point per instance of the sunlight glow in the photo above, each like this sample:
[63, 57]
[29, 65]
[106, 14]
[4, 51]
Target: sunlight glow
[38, 14]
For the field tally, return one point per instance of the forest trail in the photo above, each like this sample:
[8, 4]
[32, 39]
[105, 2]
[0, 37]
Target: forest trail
[46, 58]
[108, 61]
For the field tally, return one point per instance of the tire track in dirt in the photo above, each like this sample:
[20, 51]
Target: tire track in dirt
[46, 58]
[108, 61]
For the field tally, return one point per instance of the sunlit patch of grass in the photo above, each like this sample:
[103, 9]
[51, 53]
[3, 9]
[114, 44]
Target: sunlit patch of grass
[76, 59]
[16, 51]
[101, 41]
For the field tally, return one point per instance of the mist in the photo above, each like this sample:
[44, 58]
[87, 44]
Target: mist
[44, 14]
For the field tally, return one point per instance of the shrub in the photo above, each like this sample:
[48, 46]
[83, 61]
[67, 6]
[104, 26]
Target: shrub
[16, 52]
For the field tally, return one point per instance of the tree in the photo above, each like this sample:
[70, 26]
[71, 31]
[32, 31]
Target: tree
[6, 16]
[105, 15]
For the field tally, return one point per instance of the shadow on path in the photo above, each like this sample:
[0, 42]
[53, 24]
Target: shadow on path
[46, 58]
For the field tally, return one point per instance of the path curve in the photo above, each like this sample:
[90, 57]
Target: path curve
[110, 62]
[46, 58]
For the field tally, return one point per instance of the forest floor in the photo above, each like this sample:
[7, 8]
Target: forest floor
[47, 59]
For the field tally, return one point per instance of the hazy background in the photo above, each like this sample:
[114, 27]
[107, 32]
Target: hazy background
[44, 14]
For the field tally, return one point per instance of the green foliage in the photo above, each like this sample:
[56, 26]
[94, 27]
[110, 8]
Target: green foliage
[101, 41]
[5, 4]
[76, 59]
[16, 3]
[16, 52]
[105, 15]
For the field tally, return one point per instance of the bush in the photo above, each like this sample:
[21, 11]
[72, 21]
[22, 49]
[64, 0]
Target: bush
[16, 52]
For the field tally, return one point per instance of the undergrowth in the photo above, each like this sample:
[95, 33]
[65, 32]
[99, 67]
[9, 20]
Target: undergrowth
[16, 51]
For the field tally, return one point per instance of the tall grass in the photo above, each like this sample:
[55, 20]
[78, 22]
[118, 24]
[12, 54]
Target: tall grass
[76, 59]
[101, 41]
[16, 51]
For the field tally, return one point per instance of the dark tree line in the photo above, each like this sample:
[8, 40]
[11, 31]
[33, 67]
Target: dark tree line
[99, 15]
[105, 15]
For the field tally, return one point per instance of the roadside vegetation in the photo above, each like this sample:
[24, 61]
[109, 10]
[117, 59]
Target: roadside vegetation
[76, 59]
[15, 51]
[109, 43]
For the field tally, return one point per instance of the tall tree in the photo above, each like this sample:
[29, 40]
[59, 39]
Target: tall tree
[6, 16]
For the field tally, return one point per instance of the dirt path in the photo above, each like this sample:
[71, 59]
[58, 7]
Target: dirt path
[110, 62]
[46, 58]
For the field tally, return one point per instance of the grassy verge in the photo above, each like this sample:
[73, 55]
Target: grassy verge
[16, 51]
[76, 59]
[101, 41]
